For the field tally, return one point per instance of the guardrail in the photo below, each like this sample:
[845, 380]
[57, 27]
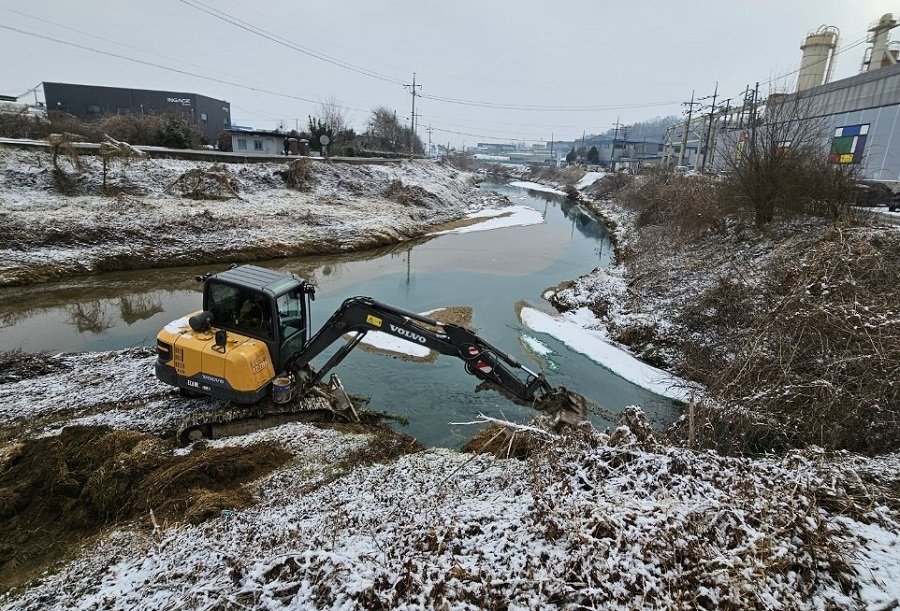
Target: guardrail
[159, 152]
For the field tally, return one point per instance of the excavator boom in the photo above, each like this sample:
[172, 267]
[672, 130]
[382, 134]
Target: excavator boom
[360, 315]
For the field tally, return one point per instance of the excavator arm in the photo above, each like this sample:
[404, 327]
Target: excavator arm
[359, 315]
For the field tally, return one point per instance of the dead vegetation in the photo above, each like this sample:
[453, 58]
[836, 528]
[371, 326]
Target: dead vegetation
[792, 326]
[408, 195]
[299, 175]
[811, 352]
[58, 491]
[61, 148]
[568, 175]
[591, 520]
[112, 152]
[214, 182]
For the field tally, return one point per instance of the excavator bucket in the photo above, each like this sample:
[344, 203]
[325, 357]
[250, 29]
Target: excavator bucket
[566, 406]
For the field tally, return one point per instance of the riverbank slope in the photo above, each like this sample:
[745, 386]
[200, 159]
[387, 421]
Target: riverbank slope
[161, 213]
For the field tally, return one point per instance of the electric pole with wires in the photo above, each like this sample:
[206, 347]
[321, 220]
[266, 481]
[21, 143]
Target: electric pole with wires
[712, 111]
[687, 128]
[412, 89]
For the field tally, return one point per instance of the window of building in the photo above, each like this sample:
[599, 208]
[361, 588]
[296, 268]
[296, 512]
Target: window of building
[242, 144]
[225, 121]
[204, 117]
[257, 145]
[93, 109]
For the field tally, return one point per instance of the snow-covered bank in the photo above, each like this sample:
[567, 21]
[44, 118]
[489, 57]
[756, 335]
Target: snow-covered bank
[597, 520]
[536, 186]
[585, 333]
[344, 207]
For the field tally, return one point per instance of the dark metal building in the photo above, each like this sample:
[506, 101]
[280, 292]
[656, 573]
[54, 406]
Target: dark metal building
[92, 102]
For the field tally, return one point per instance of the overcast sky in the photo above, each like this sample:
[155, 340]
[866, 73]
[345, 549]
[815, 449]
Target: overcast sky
[630, 59]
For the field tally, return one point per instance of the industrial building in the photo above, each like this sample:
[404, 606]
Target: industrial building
[858, 115]
[861, 112]
[89, 102]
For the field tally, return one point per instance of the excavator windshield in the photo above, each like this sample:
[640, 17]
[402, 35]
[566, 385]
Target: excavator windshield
[240, 309]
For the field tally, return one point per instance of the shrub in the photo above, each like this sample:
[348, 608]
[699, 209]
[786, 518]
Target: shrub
[811, 355]
[299, 175]
[782, 165]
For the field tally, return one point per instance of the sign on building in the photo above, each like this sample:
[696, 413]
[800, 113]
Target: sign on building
[848, 144]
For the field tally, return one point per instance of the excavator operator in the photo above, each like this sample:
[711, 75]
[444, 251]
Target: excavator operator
[253, 315]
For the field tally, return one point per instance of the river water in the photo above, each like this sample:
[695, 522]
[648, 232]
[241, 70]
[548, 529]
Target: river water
[488, 270]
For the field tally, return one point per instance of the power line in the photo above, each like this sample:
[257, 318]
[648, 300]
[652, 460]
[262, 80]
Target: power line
[169, 68]
[258, 31]
[544, 108]
[120, 44]
[450, 131]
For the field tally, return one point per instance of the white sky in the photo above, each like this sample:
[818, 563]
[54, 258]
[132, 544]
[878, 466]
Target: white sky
[514, 52]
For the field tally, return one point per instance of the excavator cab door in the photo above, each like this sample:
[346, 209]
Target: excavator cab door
[293, 323]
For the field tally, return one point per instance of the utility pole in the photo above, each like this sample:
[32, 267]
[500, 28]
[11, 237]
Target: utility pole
[687, 128]
[414, 92]
[612, 153]
[712, 111]
[753, 117]
[552, 159]
[744, 107]
[429, 139]
[724, 127]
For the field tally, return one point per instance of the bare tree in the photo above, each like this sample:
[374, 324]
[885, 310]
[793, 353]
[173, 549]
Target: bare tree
[384, 133]
[780, 162]
[333, 115]
[331, 120]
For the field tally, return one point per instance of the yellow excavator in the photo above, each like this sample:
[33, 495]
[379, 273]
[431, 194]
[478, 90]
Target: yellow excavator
[252, 345]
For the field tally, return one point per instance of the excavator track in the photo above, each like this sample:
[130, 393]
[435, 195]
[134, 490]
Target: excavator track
[326, 403]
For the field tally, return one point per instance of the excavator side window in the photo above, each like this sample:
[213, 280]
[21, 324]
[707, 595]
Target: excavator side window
[290, 316]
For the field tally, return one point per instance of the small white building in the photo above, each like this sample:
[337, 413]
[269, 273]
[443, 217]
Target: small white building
[253, 142]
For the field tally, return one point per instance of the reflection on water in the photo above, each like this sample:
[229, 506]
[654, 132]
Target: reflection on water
[490, 271]
[139, 307]
[90, 317]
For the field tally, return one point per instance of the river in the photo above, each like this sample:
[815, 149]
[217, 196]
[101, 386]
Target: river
[488, 270]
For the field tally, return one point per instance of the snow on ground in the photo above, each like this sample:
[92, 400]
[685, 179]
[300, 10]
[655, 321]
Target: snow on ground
[348, 207]
[877, 563]
[512, 216]
[583, 332]
[117, 389]
[588, 179]
[595, 521]
[536, 186]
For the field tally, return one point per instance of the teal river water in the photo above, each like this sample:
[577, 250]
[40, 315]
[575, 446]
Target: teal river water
[488, 270]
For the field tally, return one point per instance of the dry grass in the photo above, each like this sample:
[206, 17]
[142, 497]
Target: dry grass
[811, 351]
[408, 195]
[299, 175]
[57, 491]
[214, 182]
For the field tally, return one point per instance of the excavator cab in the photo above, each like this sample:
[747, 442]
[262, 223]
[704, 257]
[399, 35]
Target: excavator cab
[252, 320]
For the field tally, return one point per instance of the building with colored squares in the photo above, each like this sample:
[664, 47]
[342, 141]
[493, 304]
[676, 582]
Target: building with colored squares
[862, 116]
